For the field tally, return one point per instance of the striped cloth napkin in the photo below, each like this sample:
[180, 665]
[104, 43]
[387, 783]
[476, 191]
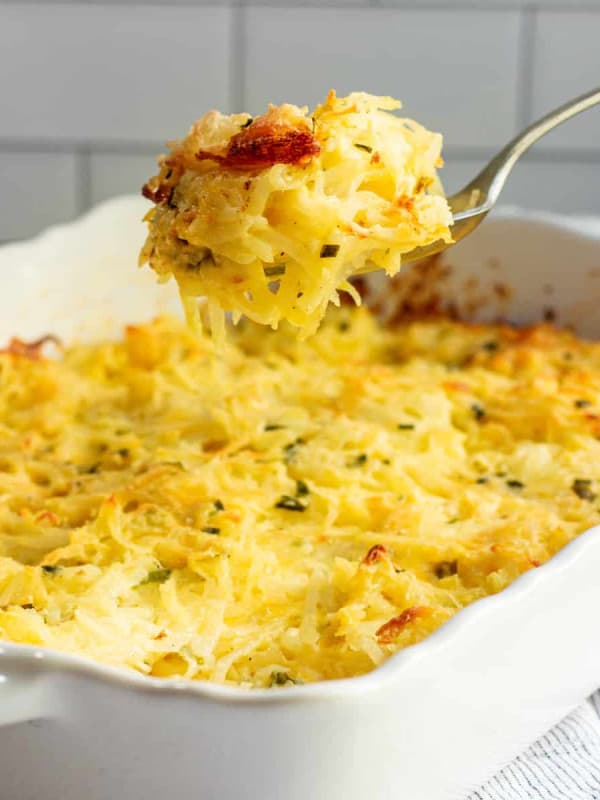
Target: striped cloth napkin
[562, 765]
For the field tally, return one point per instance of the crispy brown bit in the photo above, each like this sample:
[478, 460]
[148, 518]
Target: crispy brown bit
[47, 516]
[267, 141]
[405, 202]
[456, 386]
[30, 350]
[214, 445]
[158, 194]
[376, 553]
[389, 631]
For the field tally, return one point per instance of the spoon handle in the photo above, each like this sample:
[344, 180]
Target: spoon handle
[486, 187]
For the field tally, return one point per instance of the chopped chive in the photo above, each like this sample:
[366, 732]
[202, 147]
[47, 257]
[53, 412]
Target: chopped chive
[282, 679]
[583, 489]
[50, 569]
[405, 426]
[290, 451]
[301, 489]
[329, 251]
[482, 480]
[444, 569]
[478, 411]
[274, 427]
[156, 576]
[364, 147]
[248, 122]
[359, 461]
[290, 503]
[218, 504]
[490, 346]
[212, 530]
[272, 272]
[514, 484]
[582, 403]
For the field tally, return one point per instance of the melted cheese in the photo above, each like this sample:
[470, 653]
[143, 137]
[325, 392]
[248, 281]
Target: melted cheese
[346, 496]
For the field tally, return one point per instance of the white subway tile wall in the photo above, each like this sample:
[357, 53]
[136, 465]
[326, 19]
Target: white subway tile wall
[38, 189]
[567, 57]
[419, 56]
[563, 186]
[89, 91]
[118, 173]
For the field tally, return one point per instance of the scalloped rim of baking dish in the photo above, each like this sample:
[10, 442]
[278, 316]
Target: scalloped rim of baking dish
[449, 634]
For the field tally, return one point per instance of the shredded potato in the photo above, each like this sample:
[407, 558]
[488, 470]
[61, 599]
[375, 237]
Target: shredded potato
[346, 497]
[269, 217]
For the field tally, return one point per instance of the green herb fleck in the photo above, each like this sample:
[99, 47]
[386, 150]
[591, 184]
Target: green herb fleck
[514, 484]
[290, 503]
[247, 124]
[444, 569]
[282, 679]
[360, 460]
[274, 272]
[364, 147]
[156, 576]
[582, 403]
[290, 451]
[50, 569]
[583, 489]
[212, 530]
[329, 251]
[218, 504]
[490, 346]
[405, 426]
[343, 326]
[478, 411]
[27, 606]
[482, 480]
[301, 489]
[270, 427]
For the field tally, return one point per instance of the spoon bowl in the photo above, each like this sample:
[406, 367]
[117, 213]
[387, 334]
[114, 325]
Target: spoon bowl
[471, 205]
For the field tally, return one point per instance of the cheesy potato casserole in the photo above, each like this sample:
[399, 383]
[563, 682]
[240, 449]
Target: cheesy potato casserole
[299, 511]
[268, 217]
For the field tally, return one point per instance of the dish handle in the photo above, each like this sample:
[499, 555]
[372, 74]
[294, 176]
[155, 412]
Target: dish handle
[24, 695]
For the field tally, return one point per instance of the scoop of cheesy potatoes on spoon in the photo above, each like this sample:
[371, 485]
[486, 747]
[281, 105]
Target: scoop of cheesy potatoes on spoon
[269, 217]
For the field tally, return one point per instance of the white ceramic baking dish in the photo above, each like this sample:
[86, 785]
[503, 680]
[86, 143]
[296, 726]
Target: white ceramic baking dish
[430, 724]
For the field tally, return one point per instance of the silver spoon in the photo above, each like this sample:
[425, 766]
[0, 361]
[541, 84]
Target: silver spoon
[471, 205]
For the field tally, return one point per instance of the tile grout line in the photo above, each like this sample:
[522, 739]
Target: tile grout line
[573, 6]
[83, 178]
[525, 67]
[237, 60]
